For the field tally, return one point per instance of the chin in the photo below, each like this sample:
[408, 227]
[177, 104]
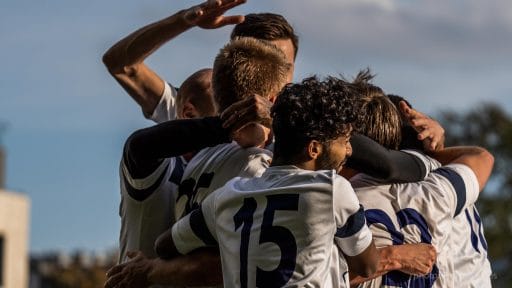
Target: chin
[252, 135]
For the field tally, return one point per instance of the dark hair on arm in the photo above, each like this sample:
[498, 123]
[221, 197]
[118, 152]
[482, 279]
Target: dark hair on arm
[311, 110]
[266, 26]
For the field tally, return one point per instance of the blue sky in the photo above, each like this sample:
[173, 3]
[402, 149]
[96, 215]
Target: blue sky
[67, 119]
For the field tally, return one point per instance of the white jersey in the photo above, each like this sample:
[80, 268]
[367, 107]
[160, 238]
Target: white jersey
[147, 206]
[472, 268]
[278, 230]
[212, 167]
[166, 107]
[419, 212]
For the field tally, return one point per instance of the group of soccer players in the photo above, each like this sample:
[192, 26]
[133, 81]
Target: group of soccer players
[249, 180]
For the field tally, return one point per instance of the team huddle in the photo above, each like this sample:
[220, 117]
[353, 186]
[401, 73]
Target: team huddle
[249, 180]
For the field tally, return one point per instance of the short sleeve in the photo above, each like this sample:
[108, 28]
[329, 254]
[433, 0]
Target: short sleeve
[461, 181]
[352, 234]
[141, 189]
[192, 232]
[431, 164]
[257, 164]
[166, 108]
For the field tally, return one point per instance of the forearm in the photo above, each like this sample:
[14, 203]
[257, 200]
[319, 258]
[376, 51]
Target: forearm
[140, 44]
[145, 148]
[387, 262]
[373, 159]
[199, 268]
[450, 154]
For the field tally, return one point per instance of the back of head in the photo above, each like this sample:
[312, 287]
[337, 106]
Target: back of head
[245, 67]
[266, 26]
[379, 118]
[197, 90]
[409, 134]
[311, 110]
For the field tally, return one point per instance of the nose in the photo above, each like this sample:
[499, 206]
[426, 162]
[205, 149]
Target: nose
[349, 149]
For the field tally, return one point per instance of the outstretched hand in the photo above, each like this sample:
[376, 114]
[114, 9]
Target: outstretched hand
[132, 274]
[429, 130]
[210, 14]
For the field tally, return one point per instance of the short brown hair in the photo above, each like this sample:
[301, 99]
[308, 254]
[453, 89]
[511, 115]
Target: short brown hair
[248, 66]
[197, 89]
[266, 26]
[379, 119]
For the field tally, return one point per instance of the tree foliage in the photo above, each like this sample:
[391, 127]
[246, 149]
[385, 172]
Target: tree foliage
[490, 126]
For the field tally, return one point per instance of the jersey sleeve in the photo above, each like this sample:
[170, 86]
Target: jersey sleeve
[430, 164]
[352, 234]
[257, 164]
[192, 231]
[459, 181]
[141, 188]
[165, 110]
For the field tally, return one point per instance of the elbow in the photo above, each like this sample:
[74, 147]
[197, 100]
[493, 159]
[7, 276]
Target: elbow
[489, 158]
[115, 65]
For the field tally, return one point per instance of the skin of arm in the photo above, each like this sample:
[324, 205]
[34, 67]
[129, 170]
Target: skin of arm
[413, 259]
[476, 158]
[125, 60]
[201, 267]
[365, 263]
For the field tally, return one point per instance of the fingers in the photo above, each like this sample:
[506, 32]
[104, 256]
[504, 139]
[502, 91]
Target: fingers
[253, 109]
[114, 281]
[230, 20]
[116, 269]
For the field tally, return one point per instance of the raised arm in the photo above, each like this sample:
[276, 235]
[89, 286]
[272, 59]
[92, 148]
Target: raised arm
[125, 60]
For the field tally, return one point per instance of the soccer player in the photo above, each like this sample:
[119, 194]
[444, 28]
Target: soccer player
[245, 66]
[125, 60]
[278, 230]
[421, 211]
[469, 247]
[147, 192]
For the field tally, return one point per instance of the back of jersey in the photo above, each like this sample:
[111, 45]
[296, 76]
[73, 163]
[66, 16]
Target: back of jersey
[420, 212]
[278, 230]
[212, 167]
[147, 206]
[472, 267]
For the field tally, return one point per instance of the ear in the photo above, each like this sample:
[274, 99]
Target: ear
[314, 149]
[189, 111]
[272, 98]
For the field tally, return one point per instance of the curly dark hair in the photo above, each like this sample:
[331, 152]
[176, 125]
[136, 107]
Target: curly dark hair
[311, 110]
[266, 26]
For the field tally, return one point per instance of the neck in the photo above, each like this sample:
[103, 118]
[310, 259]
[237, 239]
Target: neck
[299, 163]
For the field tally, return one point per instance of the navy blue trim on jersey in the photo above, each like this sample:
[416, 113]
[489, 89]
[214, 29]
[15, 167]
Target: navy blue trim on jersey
[354, 224]
[198, 225]
[143, 194]
[177, 172]
[458, 185]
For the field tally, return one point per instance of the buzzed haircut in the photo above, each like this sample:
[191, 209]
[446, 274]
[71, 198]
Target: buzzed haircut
[197, 90]
[248, 66]
[379, 118]
[266, 26]
[311, 110]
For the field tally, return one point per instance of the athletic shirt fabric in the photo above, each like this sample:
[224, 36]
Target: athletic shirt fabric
[418, 212]
[278, 230]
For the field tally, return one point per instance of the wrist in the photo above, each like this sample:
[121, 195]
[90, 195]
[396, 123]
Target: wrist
[391, 258]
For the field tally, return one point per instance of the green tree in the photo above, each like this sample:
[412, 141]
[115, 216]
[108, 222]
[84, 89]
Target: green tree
[490, 126]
